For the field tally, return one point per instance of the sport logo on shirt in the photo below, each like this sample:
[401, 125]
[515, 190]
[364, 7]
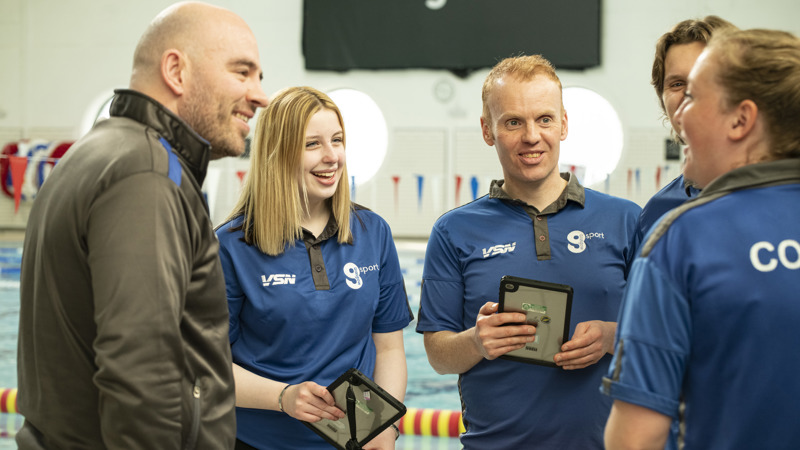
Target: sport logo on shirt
[578, 240]
[277, 278]
[354, 274]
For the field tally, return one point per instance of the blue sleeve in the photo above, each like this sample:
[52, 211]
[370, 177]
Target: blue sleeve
[442, 297]
[393, 312]
[654, 334]
[233, 290]
[634, 241]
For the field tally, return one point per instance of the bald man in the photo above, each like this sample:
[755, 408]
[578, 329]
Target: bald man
[123, 339]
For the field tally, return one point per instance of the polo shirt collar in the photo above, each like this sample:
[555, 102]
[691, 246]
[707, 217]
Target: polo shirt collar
[574, 192]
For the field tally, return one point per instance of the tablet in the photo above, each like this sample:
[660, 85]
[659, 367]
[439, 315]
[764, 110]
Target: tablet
[368, 411]
[547, 307]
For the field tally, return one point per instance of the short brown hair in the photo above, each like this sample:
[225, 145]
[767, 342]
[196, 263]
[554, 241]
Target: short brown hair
[521, 67]
[763, 66]
[685, 32]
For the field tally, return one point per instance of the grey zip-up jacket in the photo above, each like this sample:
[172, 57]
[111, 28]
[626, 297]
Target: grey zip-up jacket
[123, 339]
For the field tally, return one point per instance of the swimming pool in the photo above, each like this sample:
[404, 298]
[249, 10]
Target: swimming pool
[426, 389]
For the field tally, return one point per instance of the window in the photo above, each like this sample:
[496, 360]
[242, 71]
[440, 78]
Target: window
[365, 131]
[594, 143]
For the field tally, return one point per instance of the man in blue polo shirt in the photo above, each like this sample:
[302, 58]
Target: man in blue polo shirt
[535, 223]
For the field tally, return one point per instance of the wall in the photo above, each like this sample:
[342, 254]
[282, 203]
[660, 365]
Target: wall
[60, 58]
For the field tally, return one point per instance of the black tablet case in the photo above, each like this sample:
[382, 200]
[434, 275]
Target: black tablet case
[370, 410]
[548, 307]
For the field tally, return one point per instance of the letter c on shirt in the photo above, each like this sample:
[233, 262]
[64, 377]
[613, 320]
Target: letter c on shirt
[770, 265]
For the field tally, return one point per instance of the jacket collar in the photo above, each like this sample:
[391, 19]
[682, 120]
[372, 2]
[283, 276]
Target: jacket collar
[770, 173]
[190, 146]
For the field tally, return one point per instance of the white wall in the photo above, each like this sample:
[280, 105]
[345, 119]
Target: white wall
[58, 57]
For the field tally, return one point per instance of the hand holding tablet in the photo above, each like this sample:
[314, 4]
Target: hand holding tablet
[547, 306]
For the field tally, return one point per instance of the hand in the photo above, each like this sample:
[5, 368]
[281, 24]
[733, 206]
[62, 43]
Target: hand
[383, 441]
[590, 342]
[492, 339]
[310, 402]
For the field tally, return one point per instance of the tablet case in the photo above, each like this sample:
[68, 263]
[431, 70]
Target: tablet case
[368, 411]
[547, 307]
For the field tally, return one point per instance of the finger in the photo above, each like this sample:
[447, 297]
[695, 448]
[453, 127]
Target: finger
[509, 317]
[317, 410]
[500, 351]
[581, 359]
[517, 333]
[326, 396]
[488, 308]
[578, 365]
[324, 401]
[580, 341]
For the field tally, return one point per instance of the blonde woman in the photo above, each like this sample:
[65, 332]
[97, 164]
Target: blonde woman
[313, 281]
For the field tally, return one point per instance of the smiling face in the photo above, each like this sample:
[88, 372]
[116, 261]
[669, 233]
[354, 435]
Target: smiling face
[323, 157]
[677, 65]
[704, 120]
[527, 126]
[224, 87]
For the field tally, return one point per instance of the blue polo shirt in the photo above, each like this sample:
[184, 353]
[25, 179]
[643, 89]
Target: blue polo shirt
[669, 197]
[309, 314]
[584, 239]
[711, 312]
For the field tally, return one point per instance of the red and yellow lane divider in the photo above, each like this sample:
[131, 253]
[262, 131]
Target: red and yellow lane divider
[8, 400]
[431, 422]
[416, 421]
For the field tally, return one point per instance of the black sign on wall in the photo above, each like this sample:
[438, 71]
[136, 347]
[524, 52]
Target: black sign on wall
[457, 35]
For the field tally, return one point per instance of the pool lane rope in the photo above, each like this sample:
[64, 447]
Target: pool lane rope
[431, 422]
[8, 400]
[416, 421]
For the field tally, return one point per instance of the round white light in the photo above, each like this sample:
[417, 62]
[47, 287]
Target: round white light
[365, 128]
[594, 141]
[97, 110]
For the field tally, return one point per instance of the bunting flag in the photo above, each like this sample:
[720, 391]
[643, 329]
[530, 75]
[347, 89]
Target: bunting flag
[658, 178]
[630, 181]
[241, 174]
[420, 181]
[353, 188]
[18, 166]
[638, 180]
[458, 190]
[396, 182]
[474, 185]
[5, 172]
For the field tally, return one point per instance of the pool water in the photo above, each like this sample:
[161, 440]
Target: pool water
[426, 388]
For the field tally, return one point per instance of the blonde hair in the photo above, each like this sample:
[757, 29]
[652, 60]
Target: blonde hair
[521, 67]
[274, 195]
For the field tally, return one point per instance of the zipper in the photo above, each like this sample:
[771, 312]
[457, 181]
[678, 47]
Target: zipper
[191, 443]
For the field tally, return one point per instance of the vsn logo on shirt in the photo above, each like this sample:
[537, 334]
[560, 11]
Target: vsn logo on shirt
[499, 249]
[354, 274]
[277, 278]
[577, 240]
